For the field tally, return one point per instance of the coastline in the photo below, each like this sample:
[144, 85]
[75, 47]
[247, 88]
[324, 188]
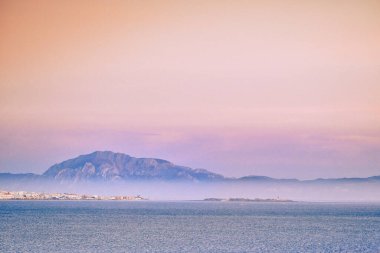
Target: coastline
[24, 195]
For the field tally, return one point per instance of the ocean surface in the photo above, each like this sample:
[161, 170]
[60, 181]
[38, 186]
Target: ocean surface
[189, 226]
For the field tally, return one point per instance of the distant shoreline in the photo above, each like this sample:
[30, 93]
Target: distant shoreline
[247, 200]
[24, 195]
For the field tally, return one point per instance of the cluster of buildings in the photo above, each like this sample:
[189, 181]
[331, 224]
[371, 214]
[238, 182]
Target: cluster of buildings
[23, 195]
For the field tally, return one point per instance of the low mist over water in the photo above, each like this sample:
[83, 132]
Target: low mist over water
[154, 190]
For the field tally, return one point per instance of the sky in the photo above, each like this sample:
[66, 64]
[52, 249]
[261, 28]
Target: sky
[287, 89]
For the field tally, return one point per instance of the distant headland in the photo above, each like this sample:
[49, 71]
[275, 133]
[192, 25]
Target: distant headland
[248, 200]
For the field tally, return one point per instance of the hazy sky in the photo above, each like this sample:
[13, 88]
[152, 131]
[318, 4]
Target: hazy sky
[276, 88]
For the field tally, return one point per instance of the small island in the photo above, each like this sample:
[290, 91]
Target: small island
[248, 200]
[24, 195]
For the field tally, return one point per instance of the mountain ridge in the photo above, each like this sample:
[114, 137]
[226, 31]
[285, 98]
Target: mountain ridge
[107, 165]
[114, 166]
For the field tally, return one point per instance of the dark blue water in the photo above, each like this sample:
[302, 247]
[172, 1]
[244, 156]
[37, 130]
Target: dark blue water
[97, 226]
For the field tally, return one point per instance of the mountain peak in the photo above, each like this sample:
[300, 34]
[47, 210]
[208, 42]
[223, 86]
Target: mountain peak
[108, 165]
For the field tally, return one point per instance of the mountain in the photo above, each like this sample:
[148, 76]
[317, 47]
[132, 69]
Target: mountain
[374, 179]
[19, 177]
[264, 179]
[110, 166]
[19, 181]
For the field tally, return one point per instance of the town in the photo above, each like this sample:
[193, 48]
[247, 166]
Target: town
[24, 195]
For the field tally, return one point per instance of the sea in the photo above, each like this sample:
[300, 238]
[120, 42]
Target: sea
[188, 226]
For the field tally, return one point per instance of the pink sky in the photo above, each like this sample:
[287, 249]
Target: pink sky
[277, 88]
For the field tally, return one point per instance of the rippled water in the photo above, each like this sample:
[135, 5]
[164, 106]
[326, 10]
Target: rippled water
[96, 226]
